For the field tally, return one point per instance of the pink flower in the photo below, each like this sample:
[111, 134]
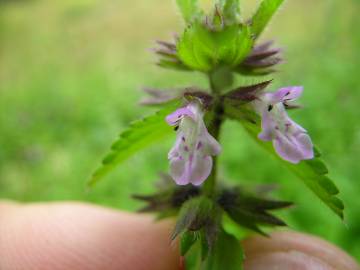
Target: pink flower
[190, 157]
[290, 140]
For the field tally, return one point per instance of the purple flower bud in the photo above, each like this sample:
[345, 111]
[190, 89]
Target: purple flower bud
[190, 157]
[290, 140]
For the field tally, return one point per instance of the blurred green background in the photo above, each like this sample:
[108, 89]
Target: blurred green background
[70, 80]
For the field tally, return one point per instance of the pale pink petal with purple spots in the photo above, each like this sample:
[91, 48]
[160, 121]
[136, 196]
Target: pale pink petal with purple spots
[190, 157]
[177, 169]
[201, 169]
[287, 148]
[290, 140]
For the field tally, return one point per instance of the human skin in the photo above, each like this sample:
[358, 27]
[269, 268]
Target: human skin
[78, 236]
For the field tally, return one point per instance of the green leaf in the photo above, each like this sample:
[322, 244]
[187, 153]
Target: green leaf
[194, 215]
[193, 257]
[311, 172]
[250, 211]
[263, 15]
[230, 10]
[195, 47]
[203, 49]
[226, 254]
[139, 135]
[236, 44]
[205, 247]
[189, 9]
[231, 227]
[187, 240]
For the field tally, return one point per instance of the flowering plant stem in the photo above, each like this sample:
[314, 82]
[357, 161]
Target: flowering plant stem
[222, 46]
[214, 129]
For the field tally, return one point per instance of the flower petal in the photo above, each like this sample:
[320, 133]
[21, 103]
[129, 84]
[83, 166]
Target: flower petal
[201, 169]
[266, 127]
[177, 171]
[306, 146]
[290, 140]
[195, 170]
[285, 93]
[295, 126]
[190, 157]
[209, 146]
[175, 150]
[172, 119]
[295, 148]
[286, 149]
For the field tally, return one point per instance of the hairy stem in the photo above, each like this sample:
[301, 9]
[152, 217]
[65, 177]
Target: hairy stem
[214, 130]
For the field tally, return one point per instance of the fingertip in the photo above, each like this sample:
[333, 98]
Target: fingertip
[80, 236]
[295, 251]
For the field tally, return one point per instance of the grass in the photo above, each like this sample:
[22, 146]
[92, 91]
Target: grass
[70, 74]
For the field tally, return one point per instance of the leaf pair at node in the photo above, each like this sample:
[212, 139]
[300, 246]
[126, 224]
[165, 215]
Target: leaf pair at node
[221, 38]
[199, 222]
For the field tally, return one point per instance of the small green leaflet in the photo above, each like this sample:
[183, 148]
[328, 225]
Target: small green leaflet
[139, 135]
[226, 254]
[193, 256]
[202, 49]
[188, 239]
[232, 228]
[189, 9]
[230, 10]
[195, 48]
[263, 15]
[312, 172]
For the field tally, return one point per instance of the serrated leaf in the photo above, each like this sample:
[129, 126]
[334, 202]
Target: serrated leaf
[318, 165]
[311, 172]
[138, 136]
[171, 198]
[189, 9]
[317, 152]
[250, 211]
[256, 217]
[263, 15]
[227, 253]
